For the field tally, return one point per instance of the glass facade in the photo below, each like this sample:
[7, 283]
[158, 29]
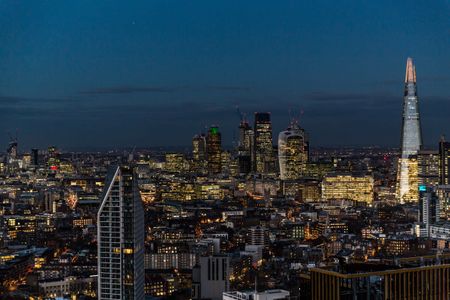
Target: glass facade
[214, 150]
[263, 148]
[411, 143]
[293, 151]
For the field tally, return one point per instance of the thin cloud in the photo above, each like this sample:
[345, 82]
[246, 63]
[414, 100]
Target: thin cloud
[229, 88]
[128, 90]
[338, 97]
[124, 89]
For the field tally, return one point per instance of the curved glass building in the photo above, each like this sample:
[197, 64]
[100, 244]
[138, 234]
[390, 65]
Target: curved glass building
[293, 148]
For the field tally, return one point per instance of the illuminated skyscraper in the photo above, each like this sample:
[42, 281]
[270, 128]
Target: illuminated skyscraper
[120, 235]
[12, 151]
[214, 150]
[199, 152]
[199, 147]
[444, 161]
[263, 148]
[293, 148]
[245, 147]
[407, 173]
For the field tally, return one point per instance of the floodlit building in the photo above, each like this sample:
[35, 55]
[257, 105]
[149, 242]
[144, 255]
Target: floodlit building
[411, 141]
[344, 186]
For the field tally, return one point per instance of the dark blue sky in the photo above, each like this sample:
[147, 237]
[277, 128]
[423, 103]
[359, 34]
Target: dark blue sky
[146, 73]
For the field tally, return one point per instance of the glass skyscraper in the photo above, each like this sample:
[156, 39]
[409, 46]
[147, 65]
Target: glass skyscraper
[245, 147]
[411, 142]
[263, 147]
[121, 238]
[214, 150]
[293, 148]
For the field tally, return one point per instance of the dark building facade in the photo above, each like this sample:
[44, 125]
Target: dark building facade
[426, 278]
[263, 147]
[214, 150]
[444, 162]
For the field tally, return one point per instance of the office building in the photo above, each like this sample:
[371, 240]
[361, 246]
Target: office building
[443, 195]
[444, 161]
[175, 162]
[257, 236]
[11, 152]
[428, 168]
[428, 207]
[121, 238]
[263, 147]
[35, 157]
[210, 279]
[346, 186]
[411, 141]
[199, 148]
[293, 152]
[245, 147]
[214, 150]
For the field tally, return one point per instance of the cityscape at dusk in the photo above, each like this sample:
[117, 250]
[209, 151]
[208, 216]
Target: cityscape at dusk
[224, 150]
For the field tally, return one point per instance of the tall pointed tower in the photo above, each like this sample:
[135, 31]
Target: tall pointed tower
[407, 173]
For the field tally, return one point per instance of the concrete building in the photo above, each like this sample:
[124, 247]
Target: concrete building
[210, 279]
[266, 295]
[121, 238]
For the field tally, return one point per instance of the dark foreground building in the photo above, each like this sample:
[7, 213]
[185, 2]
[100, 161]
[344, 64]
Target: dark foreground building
[412, 278]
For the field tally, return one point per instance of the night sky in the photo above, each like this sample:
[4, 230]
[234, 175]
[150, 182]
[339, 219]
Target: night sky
[154, 73]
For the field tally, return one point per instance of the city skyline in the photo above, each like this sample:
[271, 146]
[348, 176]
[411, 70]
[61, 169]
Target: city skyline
[66, 80]
[221, 150]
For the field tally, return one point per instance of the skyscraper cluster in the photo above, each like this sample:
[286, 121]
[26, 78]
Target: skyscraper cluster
[255, 150]
[266, 219]
[418, 169]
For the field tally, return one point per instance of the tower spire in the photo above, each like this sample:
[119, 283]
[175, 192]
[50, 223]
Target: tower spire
[410, 71]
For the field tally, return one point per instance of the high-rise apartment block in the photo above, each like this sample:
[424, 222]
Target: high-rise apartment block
[121, 238]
